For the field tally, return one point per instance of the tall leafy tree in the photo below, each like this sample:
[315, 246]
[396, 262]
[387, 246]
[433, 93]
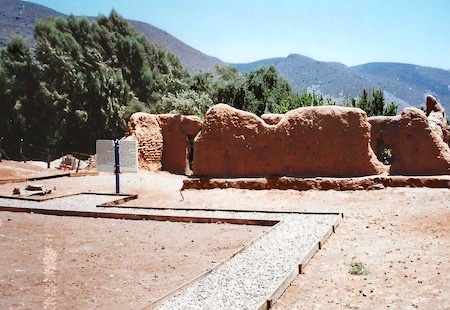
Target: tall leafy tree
[19, 80]
[259, 91]
[92, 71]
[230, 87]
[267, 89]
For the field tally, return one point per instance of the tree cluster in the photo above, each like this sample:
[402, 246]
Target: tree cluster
[260, 91]
[85, 78]
[80, 81]
[374, 103]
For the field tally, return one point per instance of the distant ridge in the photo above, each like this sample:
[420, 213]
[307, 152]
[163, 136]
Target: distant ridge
[193, 59]
[407, 84]
[247, 67]
[19, 17]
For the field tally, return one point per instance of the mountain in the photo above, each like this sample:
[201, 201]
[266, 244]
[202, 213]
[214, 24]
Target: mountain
[405, 84]
[193, 59]
[409, 82]
[251, 66]
[19, 17]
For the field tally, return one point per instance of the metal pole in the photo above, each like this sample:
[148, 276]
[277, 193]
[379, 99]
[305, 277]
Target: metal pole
[1, 149]
[117, 165]
[21, 151]
[48, 158]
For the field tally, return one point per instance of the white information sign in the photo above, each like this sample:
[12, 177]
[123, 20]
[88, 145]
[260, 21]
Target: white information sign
[128, 156]
[105, 155]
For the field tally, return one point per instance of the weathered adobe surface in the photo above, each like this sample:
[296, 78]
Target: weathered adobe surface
[272, 119]
[145, 129]
[312, 141]
[437, 118]
[316, 141]
[164, 140]
[417, 148]
[178, 133]
[303, 184]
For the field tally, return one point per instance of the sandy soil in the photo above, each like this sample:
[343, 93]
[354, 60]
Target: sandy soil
[109, 264]
[18, 170]
[400, 234]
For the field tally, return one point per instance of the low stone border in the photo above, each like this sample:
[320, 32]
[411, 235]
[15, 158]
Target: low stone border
[302, 184]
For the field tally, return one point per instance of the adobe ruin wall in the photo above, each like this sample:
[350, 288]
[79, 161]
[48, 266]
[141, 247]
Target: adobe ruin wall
[164, 140]
[416, 147]
[329, 141]
[313, 141]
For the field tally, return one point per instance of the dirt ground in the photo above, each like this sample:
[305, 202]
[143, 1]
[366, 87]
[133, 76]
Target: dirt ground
[400, 234]
[101, 263]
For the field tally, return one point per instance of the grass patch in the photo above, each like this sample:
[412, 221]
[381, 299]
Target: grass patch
[386, 156]
[358, 268]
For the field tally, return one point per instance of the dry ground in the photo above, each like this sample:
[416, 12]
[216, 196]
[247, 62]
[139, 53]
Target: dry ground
[400, 234]
[82, 263]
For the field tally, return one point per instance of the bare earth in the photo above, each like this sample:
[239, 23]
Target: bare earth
[400, 234]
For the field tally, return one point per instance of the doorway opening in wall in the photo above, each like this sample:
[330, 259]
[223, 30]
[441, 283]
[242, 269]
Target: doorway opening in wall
[190, 150]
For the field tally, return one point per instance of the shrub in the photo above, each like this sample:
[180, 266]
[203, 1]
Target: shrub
[358, 268]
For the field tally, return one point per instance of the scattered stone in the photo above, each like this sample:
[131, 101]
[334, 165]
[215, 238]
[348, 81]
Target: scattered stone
[31, 190]
[376, 187]
[68, 162]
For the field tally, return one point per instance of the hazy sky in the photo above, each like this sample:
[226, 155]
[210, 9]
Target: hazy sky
[348, 31]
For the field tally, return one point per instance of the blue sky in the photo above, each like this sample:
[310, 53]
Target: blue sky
[348, 31]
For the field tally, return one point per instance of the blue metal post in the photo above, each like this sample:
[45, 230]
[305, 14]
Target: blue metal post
[117, 165]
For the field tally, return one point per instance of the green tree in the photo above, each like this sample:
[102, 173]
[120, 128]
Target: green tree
[374, 104]
[21, 109]
[187, 102]
[266, 90]
[259, 91]
[93, 73]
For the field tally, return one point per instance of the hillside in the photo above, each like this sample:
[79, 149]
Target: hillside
[410, 82]
[193, 59]
[19, 17]
[407, 84]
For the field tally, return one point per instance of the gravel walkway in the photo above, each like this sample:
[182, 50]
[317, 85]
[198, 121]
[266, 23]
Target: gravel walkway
[247, 280]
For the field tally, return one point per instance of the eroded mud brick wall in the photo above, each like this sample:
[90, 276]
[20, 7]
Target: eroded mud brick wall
[146, 130]
[315, 141]
[437, 118]
[164, 140]
[272, 118]
[178, 133]
[417, 148]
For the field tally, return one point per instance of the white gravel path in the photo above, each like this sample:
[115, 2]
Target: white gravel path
[245, 281]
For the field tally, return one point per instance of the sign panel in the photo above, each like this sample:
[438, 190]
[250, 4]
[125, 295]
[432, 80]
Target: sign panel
[105, 155]
[128, 156]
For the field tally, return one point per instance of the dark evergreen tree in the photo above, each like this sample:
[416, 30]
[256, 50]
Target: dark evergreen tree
[374, 104]
[20, 103]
